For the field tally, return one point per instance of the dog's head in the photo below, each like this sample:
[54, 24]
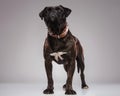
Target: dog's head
[55, 16]
[53, 13]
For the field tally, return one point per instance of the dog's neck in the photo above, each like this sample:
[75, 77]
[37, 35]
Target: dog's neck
[62, 35]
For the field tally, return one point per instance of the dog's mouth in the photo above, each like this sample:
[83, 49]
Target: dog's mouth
[56, 27]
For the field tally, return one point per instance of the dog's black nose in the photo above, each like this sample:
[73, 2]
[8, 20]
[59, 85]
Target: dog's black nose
[52, 16]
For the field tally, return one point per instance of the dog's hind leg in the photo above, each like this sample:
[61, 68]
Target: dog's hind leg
[66, 69]
[81, 66]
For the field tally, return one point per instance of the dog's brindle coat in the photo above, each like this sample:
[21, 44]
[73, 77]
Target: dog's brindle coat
[62, 47]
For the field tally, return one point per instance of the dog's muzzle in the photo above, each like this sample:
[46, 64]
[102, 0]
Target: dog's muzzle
[53, 16]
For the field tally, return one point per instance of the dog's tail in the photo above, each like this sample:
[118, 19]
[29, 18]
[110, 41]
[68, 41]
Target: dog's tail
[80, 58]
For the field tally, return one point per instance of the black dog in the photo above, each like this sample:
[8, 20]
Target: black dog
[62, 47]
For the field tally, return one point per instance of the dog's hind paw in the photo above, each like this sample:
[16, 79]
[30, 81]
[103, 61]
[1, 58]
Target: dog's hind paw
[85, 87]
[48, 91]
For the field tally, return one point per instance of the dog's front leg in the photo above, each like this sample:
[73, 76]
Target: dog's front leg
[48, 68]
[70, 68]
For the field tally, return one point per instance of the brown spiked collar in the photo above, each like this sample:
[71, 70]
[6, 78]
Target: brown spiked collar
[62, 35]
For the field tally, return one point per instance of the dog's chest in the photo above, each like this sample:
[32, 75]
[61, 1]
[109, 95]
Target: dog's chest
[57, 45]
[59, 57]
[59, 52]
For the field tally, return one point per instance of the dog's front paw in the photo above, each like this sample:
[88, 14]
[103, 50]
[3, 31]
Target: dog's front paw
[70, 92]
[48, 91]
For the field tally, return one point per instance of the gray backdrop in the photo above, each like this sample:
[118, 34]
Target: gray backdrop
[95, 22]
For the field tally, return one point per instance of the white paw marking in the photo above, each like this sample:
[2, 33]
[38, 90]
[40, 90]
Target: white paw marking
[86, 87]
[57, 55]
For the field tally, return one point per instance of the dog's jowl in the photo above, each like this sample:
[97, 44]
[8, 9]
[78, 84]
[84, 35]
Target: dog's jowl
[62, 47]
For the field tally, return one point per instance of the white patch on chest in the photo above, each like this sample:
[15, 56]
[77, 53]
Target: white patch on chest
[57, 55]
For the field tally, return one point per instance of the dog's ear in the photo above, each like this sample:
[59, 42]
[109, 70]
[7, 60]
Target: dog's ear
[42, 13]
[67, 11]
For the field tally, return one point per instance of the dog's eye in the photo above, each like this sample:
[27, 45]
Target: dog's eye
[58, 9]
[49, 9]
